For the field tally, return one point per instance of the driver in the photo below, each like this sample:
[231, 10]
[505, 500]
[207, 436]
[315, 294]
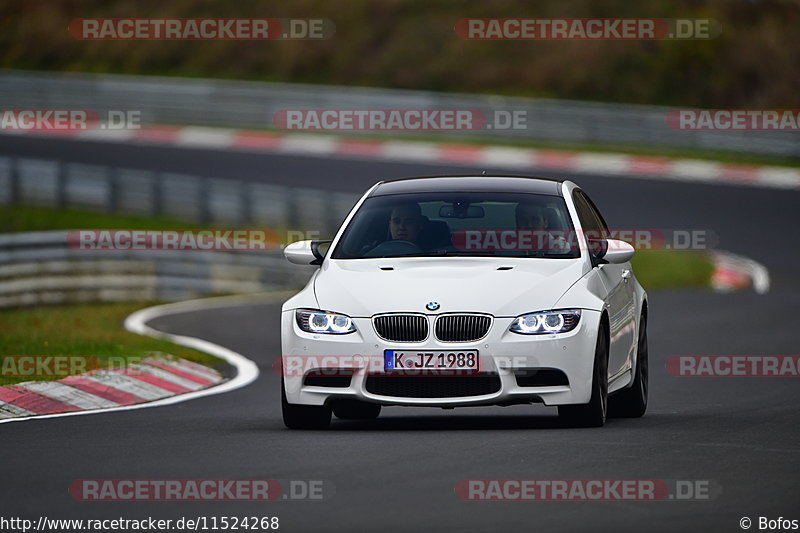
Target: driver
[531, 217]
[406, 223]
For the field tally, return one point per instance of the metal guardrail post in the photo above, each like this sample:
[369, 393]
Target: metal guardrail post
[61, 185]
[293, 214]
[157, 194]
[245, 203]
[113, 190]
[331, 220]
[204, 190]
[15, 192]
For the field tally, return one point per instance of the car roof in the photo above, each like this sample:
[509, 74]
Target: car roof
[470, 183]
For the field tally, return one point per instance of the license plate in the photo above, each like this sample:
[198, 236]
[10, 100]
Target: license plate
[430, 360]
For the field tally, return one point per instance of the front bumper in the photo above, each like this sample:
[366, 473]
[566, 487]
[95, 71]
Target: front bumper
[501, 352]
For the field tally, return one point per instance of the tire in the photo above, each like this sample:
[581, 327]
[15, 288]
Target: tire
[304, 416]
[356, 410]
[632, 402]
[592, 414]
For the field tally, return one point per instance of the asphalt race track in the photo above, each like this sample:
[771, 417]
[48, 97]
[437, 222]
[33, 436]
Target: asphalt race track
[399, 472]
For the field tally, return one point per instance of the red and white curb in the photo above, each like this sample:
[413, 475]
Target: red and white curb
[115, 387]
[735, 272]
[527, 159]
[152, 382]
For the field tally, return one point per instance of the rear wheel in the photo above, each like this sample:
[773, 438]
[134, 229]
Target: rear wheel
[632, 402]
[592, 414]
[356, 410]
[304, 416]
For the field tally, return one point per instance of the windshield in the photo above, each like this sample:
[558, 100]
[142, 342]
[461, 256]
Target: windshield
[460, 224]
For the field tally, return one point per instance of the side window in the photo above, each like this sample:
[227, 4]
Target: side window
[590, 218]
[596, 212]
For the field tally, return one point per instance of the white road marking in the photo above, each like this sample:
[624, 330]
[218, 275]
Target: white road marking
[246, 370]
[602, 163]
[198, 137]
[107, 135]
[506, 157]
[415, 151]
[695, 170]
[313, 144]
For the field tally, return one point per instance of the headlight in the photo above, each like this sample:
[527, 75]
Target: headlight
[313, 321]
[546, 322]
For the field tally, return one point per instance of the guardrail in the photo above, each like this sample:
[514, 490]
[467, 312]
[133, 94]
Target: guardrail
[163, 100]
[40, 268]
[180, 196]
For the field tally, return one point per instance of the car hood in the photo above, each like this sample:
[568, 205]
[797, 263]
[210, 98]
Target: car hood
[364, 287]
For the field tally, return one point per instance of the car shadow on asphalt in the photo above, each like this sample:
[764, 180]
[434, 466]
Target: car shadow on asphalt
[448, 423]
[484, 422]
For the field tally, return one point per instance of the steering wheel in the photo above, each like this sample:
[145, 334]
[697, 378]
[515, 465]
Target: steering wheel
[397, 247]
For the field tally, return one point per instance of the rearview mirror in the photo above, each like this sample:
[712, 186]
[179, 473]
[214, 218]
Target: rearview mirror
[461, 211]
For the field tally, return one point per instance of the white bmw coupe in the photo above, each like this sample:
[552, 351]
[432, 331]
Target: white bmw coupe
[458, 291]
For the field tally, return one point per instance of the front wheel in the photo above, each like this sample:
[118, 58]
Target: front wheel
[632, 402]
[592, 414]
[304, 416]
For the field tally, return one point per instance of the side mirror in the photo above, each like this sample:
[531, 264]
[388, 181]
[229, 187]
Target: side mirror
[617, 252]
[304, 252]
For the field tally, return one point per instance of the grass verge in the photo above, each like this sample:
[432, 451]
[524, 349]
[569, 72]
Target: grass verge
[90, 331]
[671, 269]
[32, 218]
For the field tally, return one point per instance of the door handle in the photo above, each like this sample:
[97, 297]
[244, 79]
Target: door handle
[626, 275]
